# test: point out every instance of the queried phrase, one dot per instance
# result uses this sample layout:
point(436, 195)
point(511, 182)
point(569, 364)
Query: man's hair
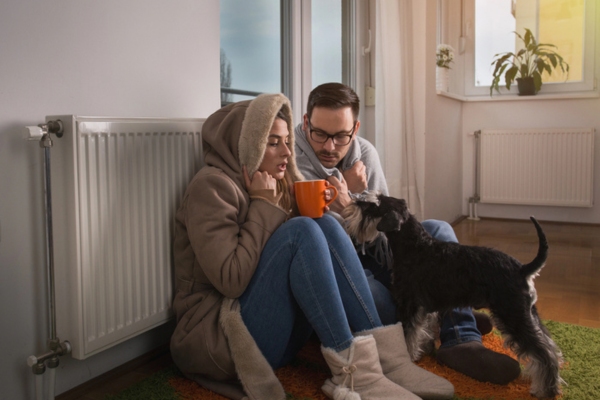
point(333, 96)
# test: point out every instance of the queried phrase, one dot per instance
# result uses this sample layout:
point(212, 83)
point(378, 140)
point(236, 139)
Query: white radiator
point(116, 184)
point(549, 167)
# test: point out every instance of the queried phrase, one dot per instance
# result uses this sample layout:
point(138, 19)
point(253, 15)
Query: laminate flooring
point(568, 287)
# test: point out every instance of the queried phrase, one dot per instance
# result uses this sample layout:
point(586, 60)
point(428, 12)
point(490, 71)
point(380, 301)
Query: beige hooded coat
point(220, 233)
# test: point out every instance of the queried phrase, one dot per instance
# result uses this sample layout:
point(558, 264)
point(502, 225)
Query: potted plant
point(443, 57)
point(527, 65)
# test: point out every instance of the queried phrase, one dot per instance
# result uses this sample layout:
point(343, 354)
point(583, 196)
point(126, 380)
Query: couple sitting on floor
point(254, 280)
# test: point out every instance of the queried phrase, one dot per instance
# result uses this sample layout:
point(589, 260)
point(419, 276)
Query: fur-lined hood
point(237, 135)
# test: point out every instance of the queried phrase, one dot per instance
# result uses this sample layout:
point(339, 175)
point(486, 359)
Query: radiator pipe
point(475, 199)
point(46, 144)
point(39, 387)
point(55, 346)
point(52, 365)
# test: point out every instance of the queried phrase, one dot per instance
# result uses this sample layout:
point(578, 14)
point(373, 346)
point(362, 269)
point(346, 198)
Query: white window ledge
point(514, 97)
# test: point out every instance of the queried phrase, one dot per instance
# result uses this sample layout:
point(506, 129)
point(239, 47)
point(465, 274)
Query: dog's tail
point(539, 260)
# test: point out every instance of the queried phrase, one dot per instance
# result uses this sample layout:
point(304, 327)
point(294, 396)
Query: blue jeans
point(308, 278)
point(457, 326)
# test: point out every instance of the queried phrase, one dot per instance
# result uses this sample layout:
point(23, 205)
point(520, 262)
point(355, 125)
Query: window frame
point(587, 84)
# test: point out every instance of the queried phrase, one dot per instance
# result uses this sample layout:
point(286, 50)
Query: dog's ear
point(391, 221)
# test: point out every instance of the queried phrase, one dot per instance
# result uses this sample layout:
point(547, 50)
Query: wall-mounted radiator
point(116, 184)
point(549, 167)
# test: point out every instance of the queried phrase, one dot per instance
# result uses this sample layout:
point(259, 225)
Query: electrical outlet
point(369, 96)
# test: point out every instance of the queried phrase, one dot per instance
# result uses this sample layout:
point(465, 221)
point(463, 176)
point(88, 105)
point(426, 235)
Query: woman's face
point(277, 152)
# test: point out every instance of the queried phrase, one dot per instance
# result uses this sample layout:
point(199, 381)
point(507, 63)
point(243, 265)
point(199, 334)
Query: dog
point(430, 276)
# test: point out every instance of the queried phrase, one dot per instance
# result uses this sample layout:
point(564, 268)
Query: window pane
point(250, 48)
point(494, 25)
point(561, 23)
point(326, 41)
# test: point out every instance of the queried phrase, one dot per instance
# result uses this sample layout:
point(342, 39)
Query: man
point(328, 147)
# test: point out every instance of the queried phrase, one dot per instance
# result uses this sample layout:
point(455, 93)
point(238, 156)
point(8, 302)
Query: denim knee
point(440, 230)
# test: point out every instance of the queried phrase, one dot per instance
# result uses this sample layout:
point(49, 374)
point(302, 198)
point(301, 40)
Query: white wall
point(109, 58)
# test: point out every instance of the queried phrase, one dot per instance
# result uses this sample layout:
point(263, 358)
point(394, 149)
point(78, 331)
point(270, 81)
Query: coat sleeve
point(227, 249)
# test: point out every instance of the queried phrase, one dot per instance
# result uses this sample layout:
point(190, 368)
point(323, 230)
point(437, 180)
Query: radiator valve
point(38, 132)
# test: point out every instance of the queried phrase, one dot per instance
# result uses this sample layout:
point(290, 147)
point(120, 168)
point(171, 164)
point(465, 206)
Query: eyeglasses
point(339, 139)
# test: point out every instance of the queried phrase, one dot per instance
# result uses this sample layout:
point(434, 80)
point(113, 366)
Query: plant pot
point(526, 86)
point(442, 83)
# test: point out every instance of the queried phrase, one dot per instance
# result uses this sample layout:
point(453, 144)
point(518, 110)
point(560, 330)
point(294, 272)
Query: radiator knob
point(32, 133)
point(32, 360)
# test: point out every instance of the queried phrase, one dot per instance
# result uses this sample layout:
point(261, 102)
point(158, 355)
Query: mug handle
point(334, 194)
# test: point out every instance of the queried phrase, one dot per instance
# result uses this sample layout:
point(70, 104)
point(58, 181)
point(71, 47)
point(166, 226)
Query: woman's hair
point(282, 184)
point(281, 114)
point(333, 96)
point(283, 187)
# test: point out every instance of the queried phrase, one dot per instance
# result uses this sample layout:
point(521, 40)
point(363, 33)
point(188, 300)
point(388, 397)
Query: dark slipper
point(480, 363)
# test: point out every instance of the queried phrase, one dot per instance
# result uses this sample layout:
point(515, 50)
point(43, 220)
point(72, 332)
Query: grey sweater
point(360, 149)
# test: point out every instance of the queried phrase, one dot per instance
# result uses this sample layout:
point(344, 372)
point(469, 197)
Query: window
point(257, 40)
point(332, 47)
point(251, 33)
point(494, 24)
point(568, 24)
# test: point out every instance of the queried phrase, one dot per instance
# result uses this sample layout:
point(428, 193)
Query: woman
point(252, 284)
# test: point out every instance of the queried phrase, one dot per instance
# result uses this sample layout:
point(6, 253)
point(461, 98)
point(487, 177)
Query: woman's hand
point(260, 181)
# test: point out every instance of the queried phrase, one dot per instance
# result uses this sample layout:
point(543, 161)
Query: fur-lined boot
point(398, 367)
point(357, 374)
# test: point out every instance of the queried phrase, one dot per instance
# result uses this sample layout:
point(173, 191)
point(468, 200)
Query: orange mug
point(310, 197)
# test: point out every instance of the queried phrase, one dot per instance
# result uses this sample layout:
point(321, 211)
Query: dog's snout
point(390, 222)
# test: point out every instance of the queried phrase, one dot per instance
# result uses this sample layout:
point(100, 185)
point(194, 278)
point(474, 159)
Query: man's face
point(325, 121)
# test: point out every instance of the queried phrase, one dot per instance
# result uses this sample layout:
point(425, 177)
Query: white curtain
point(395, 134)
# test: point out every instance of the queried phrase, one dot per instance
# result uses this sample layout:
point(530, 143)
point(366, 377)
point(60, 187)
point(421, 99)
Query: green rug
point(580, 347)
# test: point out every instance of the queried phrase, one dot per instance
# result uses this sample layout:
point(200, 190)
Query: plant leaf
point(537, 81)
point(524, 71)
point(504, 60)
point(509, 77)
point(540, 65)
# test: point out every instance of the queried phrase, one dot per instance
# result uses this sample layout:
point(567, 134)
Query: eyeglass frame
point(332, 137)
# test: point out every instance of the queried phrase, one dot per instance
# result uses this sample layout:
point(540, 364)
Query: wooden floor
point(568, 286)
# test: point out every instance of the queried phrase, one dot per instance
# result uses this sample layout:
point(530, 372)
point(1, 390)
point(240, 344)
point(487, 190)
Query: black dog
point(434, 276)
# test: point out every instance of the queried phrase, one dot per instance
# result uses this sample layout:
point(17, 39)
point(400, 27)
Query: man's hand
point(343, 199)
point(356, 177)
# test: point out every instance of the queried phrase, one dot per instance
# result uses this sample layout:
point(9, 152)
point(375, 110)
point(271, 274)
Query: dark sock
point(475, 360)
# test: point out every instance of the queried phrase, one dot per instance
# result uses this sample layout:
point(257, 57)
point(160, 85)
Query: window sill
point(514, 97)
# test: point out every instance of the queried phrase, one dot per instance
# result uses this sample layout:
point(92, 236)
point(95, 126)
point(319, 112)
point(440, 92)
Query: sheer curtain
point(395, 134)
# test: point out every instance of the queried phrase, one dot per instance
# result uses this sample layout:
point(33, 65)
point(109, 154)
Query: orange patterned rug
point(304, 378)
